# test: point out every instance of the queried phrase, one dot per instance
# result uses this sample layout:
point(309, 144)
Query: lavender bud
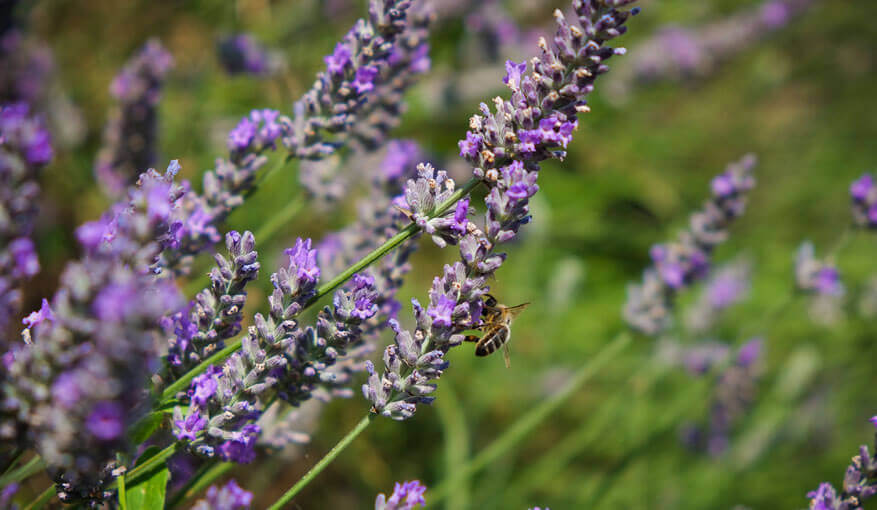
point(228, 497)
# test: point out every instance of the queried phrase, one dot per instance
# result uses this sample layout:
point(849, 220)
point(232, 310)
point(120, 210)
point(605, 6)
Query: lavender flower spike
point(73, 386)
point(863, 192)
point(25, 149)
point(243, 54)
point(814, 275)
point(859, 485)
point(278, 359)
point(216, 313)
point(505, 149)
point(130, 137)
point(321, 121)
point(228, 497)
point(679, 264)
point(406, 496)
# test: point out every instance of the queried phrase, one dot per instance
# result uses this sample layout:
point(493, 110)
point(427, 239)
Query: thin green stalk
point(14, 457)
point(325, 461)
point(200, 481)
point(42, 500)
point(32, 467)
point(151, 463)
point(456, 436)
point(403, 235)
point(123, 492)
point(530, 421)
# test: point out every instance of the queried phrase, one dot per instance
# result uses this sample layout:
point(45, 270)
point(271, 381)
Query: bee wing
point(515, 310)
point(507, 355)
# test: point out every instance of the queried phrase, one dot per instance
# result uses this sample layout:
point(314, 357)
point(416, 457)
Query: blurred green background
point(803, 99)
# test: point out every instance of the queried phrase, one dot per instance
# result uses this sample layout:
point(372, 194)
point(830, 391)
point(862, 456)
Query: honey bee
point(496, 321)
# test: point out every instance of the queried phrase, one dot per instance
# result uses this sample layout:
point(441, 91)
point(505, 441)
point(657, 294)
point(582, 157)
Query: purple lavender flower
point(814, 275)
point(217, 311)
point(733, 395)
point(29, 75)
point(679, 264)
point(415, 359)
point(406, 495)
point(228, 497)
point(24, 150)
point(130, 136)
point(864, 194)
point(331, 114)
point(243, 54)
point(873, 421)
point(859, 485)
point(278, 359)
point(727, 286)
point(95, 328)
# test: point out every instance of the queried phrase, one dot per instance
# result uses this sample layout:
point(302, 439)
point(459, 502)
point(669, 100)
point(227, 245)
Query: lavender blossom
point(228, 497)
point(25, 148)
point(278, 359)
point(322, 121)
point(727, 286)
point(816, 276)
point(859, 484)
point(130, 136)
point(71, 389)
point(28, 74)
point(544, 105)
point(733, 395)
point(863, 192)
point(406, 495)
point(243, 54)
point(679, 264)
point(216, 313)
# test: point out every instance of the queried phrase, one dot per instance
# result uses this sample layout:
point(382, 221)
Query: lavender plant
point(405, 496)
point(228, 497)
point(130, 136)
point(243, 54)
point(733, 394)
point(863, 192)
point(25, 148)
point(859, 485)
point(678, 264)
point(505, 149)
point(76, 381)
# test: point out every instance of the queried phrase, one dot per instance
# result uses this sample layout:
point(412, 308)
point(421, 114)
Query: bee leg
point(507, 356)
point(471, 338)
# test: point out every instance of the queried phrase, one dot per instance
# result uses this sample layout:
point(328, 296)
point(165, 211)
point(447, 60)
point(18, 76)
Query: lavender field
point(397, 254)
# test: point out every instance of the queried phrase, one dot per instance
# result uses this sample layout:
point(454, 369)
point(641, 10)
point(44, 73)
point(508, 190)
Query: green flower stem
point(325, 461)
point(32, 467)
point(151, 463)
point(403, 235)
point(530, 421)
point(42, 500)
point(201, 480)
point(123, 492)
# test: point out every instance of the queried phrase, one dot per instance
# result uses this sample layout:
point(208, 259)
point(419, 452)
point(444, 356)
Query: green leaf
point(150, 491)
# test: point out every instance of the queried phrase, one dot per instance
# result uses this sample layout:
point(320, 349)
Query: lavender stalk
point(131, 133)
